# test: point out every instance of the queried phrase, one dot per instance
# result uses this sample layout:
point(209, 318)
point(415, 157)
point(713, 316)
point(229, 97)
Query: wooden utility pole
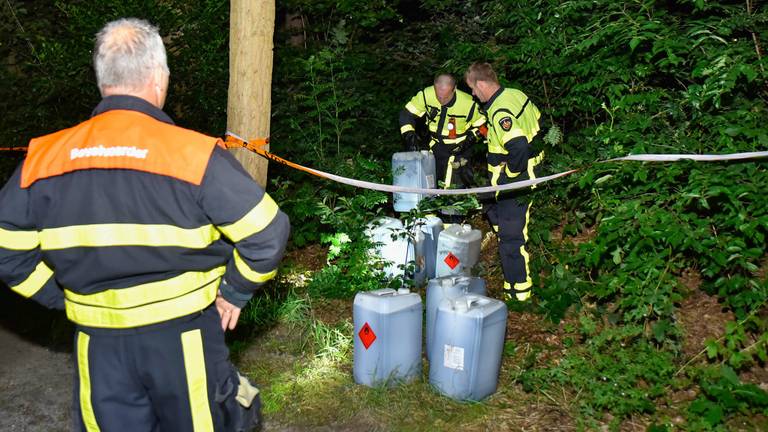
point(251, 28)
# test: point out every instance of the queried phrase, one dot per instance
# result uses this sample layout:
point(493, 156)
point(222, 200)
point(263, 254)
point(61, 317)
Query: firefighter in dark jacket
point(453, 120)
point(513, 122)
point(152, 238)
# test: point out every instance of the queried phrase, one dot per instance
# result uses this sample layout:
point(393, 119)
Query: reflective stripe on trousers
point(159, 377)
point(511, 214)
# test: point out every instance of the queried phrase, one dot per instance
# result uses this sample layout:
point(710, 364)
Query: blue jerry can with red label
point(448, 287)
point(387, 337)
point(465, 355)
point(458, 250)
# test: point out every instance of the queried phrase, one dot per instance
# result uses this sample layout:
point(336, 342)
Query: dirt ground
point(35, 368)
point(35, 386)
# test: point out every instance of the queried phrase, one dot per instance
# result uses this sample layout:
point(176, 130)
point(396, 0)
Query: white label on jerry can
point(453, 357)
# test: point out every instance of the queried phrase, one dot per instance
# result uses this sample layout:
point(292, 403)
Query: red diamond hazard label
point(367, 336)
point(451, 260)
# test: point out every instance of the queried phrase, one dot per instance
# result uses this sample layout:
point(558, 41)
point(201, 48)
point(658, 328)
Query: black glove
point(464, 146)
point(411, 141)
point(471, 140)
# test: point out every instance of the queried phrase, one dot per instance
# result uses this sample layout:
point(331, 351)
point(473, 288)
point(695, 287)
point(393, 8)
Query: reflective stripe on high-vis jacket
point(35, 281)
point(100, 235)
point(250, 274)
point(253, 222)
point(145, 304)
point(152, 292)
point(18, 240)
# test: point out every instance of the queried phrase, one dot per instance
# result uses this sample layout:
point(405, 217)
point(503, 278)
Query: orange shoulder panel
point(120, 139)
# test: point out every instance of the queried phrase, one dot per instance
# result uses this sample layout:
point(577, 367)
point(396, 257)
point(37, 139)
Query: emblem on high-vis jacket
point(506, 123)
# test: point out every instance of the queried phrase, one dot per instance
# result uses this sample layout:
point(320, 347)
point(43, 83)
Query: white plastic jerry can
point(458, 250)
point(468, 345)
point(391, 244)
point(387, 337)
point(412, 169)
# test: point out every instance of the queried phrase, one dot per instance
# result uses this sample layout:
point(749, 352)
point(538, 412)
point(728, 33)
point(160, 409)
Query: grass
point(301, 358)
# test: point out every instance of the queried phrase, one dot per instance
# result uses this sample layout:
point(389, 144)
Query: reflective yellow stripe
point(406, 128)
point(495, 171)
point(511, 134)
point(449, 172)
point(254, 221)
point(495, 174)
point(84, 375)
point(249, 274)
point(524, 253)
point(527, 218)
point(35, 281)
point(194, 365)
point(152, 292)
point(525, 286)
point(127, 235)
point(531, 175)
point(447, 140)
point(479, 122)
point(413, 109)
point(526, 258)
point(507, 292)
point(18, 240)
point(454, 140)
point(95, 316)
point(510, 174)
point(538, 159)
point(521, 290)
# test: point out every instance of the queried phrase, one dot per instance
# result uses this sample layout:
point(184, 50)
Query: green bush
point(615, 371)
point(723, 394)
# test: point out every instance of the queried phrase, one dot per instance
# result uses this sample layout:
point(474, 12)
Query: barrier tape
point(693, 157)
point(257, 146)
point(234, 141)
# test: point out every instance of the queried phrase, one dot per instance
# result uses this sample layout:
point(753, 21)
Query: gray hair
point(127, 52)
point(445, 80)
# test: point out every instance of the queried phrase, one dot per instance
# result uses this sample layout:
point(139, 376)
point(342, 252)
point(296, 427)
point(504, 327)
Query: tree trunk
point(251, 29)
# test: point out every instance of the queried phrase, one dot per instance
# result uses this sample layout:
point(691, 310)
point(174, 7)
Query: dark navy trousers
point(162, 377)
